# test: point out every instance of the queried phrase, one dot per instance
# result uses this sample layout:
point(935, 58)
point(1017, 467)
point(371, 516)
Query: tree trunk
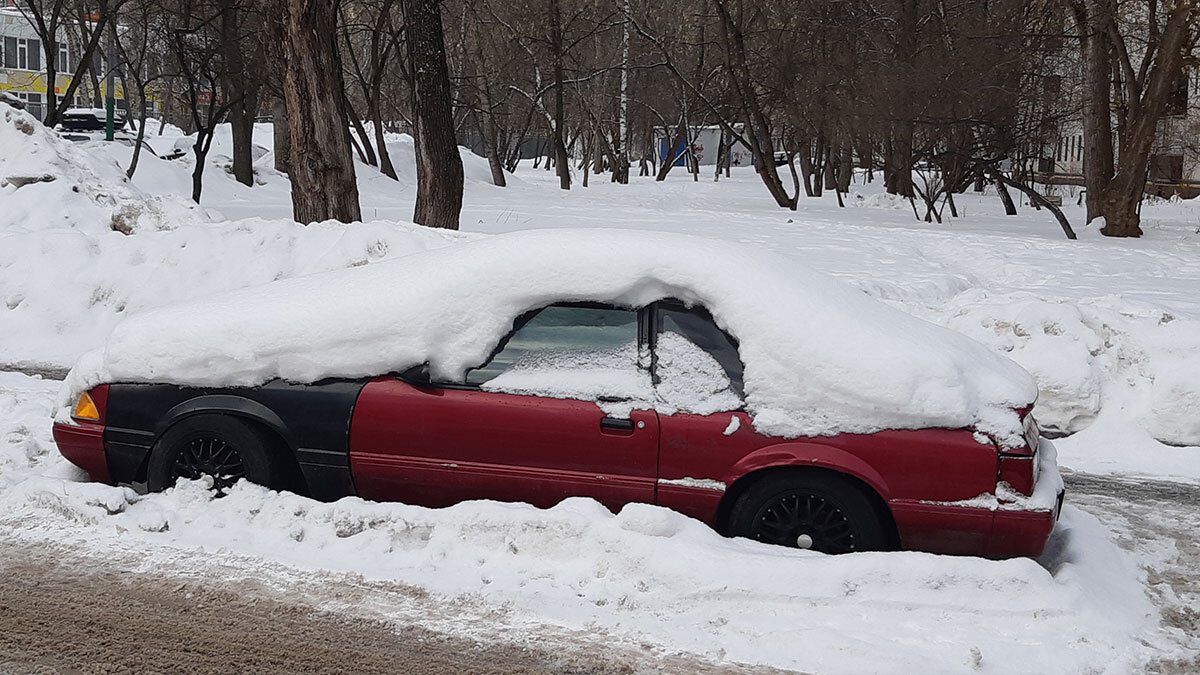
point(1010, 209)
point(240, 88)
point(897, 162)
point(621, 160)
point(560, 149)
point(367, 150)
point(283, 136)
point(669, 159)
point(845, 168)
point(168, 98)
point(241, 123)
point(806, 166)
point(830, 174)
point(487, 131)
point(439, 166)
point(201, 146)
point(323, 183)
point(1097, 96)
point(385, 158)
point(141, 134)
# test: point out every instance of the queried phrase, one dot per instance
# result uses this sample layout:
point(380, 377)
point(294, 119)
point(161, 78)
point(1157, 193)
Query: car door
point(697, 375)
point(561, 409)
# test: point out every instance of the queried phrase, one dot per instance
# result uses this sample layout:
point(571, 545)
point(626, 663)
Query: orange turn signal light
point(85, 409)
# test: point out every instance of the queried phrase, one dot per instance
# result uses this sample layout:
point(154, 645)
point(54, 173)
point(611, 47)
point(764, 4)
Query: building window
point(33, 102)
point(64, 60)
point(22, 53)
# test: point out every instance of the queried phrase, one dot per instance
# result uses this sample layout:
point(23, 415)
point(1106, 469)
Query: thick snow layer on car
point(820, 357)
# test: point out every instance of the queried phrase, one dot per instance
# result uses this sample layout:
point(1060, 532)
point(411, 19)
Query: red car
point(505, 434)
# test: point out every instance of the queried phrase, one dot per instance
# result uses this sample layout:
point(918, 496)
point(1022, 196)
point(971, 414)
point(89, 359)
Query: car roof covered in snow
point(820, 356)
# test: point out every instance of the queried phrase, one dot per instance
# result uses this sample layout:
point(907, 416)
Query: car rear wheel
point(220, 446)
point(819, 511)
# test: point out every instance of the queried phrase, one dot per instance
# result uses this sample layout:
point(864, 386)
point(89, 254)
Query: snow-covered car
point(730, 385)
point(89, 119)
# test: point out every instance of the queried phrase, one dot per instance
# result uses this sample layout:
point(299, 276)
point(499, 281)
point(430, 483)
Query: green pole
point(110, 98)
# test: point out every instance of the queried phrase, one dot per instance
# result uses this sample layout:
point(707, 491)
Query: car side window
point(696, 364)
point(568, 351)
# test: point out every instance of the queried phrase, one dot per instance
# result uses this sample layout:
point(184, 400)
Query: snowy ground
point(645, 579)
point(1110, 329)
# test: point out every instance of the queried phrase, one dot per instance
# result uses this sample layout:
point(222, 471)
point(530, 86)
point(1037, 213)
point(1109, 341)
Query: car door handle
point(616, 423)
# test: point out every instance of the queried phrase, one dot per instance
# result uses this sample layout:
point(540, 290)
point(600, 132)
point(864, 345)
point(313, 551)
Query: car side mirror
point(417, 375)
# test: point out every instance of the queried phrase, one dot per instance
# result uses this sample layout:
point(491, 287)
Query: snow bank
point(881, 200)
point(1131, 358)
point(48, 182)
point(820, 357)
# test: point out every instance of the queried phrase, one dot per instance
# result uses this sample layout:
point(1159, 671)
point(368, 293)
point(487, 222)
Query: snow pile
point(881, 200)
point(402, 151)
point(820, 357)
point(49, 182)
point(1090, 355)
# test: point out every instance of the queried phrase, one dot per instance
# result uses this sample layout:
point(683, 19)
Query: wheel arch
point(246, 410)
point(809, 458)
point(226, 404)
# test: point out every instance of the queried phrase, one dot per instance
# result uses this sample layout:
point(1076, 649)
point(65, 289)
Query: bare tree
point(1112, 36)
point(322, 168)
point(439, 166)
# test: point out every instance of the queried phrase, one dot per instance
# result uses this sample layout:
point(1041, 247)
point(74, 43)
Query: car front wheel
point(817, 511)
point(222, 447)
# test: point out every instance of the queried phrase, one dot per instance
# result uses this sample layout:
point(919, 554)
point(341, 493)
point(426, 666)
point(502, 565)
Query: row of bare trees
point(936, 96)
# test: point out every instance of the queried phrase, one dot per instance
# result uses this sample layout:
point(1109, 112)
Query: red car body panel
point(437, 446)
point(82, 443)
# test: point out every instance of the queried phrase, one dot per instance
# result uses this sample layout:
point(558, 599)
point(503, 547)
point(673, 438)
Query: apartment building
point(22, 65)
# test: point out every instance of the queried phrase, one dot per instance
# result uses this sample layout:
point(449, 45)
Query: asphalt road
point(63, 612)
point(1161, 520)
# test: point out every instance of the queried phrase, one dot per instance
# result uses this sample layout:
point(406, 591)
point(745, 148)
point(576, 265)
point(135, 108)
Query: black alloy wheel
point(803, 520)
point(225, 447)
point(209, 456)
point(818, 511)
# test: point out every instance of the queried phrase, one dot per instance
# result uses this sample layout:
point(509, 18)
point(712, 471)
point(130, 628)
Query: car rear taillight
point(1018, 466)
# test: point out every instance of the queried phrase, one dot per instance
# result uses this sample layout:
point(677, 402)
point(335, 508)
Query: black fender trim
point(226, 404)
point(128, 453)
point(327, 473)
point(312, 421)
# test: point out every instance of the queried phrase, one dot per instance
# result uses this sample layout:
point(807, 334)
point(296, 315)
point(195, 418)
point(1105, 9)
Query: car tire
point(221, 446)
point(808, 509)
